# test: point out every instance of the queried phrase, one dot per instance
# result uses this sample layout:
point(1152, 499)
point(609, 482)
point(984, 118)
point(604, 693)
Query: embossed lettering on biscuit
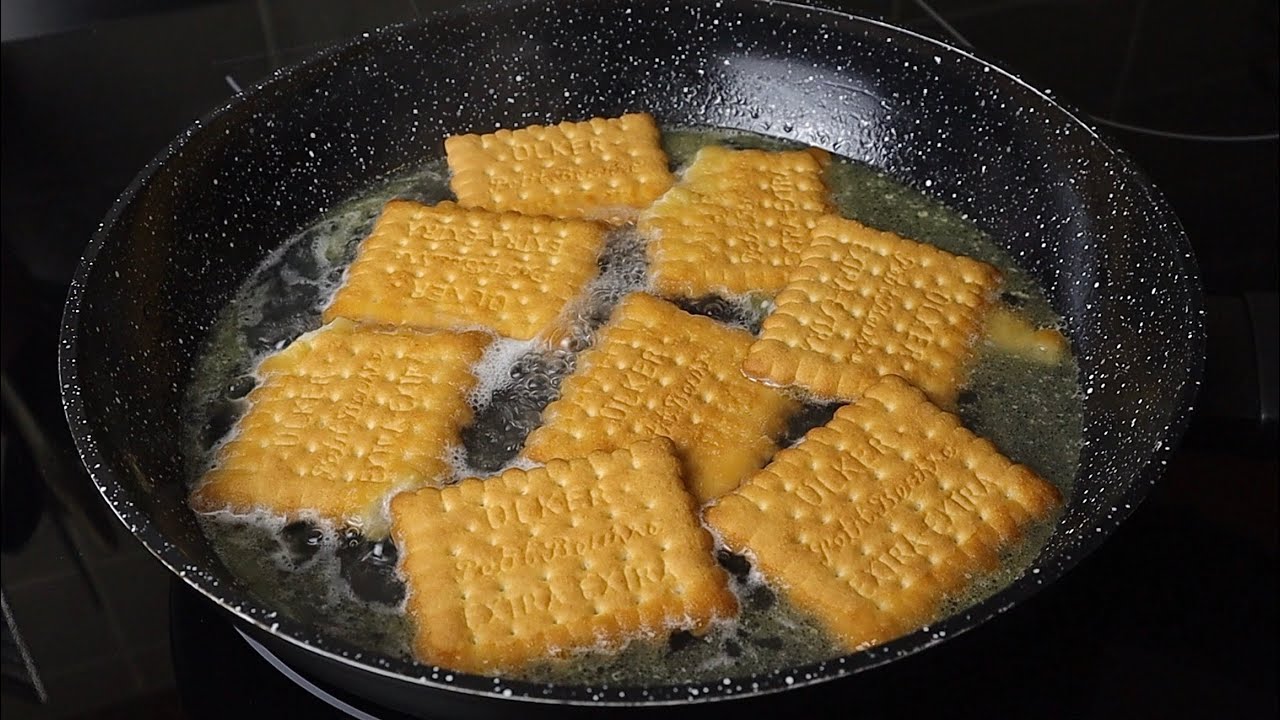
point(873, 520)
point(345, 416)
point(656, 370)
point(444, 267)
point(601, 169)
point(864, 304)
point(587, 552)
point(736, 222)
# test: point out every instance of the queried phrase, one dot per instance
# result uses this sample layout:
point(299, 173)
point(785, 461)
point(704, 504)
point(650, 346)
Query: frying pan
point(191, 227)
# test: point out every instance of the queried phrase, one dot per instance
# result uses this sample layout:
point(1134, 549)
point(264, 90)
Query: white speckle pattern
point(184, 235)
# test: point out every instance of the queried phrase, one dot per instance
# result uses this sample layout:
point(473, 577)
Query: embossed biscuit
point(864, 304)
point(736, 223)
point(601, 169)
point(656, 370)
point(535, 563)
point(873, 520)
point(769, 179)
point(444, 266)
point(345, 416)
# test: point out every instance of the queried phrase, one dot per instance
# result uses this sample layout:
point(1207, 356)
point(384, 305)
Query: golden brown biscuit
point(790, 180)
point(864, 304)
point(581, 553)
point(444, 267)
point(601, 169)
point(656, 370)
point(736, 223)
point(873, 520)
point(345, 416)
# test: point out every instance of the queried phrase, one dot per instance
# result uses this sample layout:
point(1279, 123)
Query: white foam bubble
point(493, 370)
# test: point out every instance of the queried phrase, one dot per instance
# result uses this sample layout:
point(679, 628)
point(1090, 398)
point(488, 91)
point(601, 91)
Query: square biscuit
point(872, 521)
point(443, 266)
point(657, 371)
point(537, 563)
point(785, 180)
point(864, 304)
point(600, 169)
point(345, 416)
point(736, 223)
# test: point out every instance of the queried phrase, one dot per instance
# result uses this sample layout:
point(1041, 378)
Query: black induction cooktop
point(1174, 617)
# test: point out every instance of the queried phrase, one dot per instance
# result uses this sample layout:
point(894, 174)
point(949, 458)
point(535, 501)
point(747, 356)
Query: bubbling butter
point(332, 578)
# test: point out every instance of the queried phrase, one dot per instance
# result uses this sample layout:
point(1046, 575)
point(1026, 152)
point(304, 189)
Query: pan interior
point(335, 579)
point(201, 218)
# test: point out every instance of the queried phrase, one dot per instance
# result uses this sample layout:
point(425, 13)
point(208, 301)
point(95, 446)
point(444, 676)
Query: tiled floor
point(97, 632)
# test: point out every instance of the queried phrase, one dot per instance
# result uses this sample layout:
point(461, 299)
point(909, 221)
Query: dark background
point(1174, 617)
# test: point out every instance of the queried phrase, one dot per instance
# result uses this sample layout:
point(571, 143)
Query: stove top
point(1175, 615)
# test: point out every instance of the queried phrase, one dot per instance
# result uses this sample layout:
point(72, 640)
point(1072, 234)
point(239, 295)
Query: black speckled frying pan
point(187, 232)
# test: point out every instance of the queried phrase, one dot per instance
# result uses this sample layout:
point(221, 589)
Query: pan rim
point(245, 609)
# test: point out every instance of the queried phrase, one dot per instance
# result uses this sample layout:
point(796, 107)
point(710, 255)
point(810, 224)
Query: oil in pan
point(335, 578)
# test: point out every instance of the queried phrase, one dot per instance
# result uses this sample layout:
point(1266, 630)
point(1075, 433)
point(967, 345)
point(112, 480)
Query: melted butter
point(334, 579)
